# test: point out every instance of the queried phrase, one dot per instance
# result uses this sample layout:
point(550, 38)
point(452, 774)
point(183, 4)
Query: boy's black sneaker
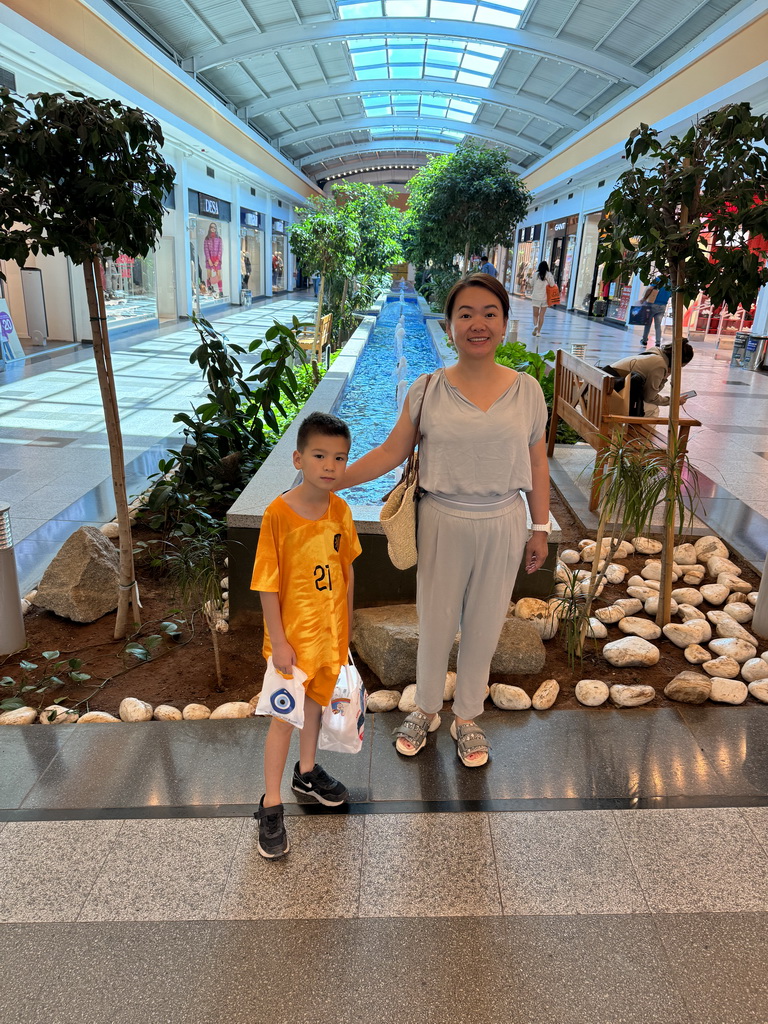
point(320, 785)
point(273, 839)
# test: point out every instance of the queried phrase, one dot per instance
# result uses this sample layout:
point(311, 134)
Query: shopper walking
point(541, 280)
point(482, 444)
point(656, 295)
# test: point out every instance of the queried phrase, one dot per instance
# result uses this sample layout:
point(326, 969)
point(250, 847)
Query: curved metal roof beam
point(395, 146)
point(414, 163)
point(428, 86)
point(252, 44)
point(480, 131)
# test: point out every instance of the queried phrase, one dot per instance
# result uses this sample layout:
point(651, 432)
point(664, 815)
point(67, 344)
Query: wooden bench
point(584, 397)
point(315, 345)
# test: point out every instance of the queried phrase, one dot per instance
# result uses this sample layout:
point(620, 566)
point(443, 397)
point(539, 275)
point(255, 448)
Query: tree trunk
point(677, 274)
point(319, 313)
point(466, 260)
point(343, 297)
point(128, 594)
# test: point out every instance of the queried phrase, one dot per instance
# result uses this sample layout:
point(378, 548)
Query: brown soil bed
point(183, 672)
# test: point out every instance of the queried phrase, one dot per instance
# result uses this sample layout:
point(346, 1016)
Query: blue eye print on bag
point(282, 702)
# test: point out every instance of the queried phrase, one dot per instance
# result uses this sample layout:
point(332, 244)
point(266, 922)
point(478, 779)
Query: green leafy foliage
point(463, 202)
point(34, 681)
point(540, 366)
point(80, 175)
point(712, 180)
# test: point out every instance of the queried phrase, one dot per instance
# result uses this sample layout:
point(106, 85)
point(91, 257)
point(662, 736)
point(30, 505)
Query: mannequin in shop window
point(277, 268)
point(212, 249)
point(245, 269)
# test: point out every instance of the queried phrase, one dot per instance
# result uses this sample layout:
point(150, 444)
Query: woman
point(212, 251)
point(482, 427)
point(654, 367)
point(656, 295)
point(542, 278)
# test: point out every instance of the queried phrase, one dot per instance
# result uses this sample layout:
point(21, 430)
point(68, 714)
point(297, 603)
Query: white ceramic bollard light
point(12, 635)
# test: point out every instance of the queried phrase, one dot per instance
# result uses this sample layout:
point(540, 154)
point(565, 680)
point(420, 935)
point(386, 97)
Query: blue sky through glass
point(505, 13)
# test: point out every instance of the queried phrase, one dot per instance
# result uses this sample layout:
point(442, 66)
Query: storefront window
point(560, 243)
point(528, 248)
point(129, 290)
point(251, 260)
point(278, 256)
point(585, 275)
point(209, 249)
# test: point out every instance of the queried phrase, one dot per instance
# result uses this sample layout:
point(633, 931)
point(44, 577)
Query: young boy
point(304, 576)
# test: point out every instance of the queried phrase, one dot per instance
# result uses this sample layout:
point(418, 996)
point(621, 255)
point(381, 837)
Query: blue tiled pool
point(369, 402)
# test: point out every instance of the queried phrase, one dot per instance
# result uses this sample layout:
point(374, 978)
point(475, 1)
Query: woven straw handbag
point(398, 515)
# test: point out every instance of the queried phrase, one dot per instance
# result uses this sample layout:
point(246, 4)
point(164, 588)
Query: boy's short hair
point(321, 423)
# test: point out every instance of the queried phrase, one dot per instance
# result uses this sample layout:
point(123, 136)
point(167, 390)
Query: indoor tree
point(324, 239)
point(85, 177)
point(691, 208)
point(463, 202)
point(378, 224)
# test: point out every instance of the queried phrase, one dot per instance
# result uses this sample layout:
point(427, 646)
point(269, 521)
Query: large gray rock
point(387, 639)
point(81, 582)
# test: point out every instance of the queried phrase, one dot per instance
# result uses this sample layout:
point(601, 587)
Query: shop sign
point(560, 226)
point(250, 219)
point(278, 226)
point(623, 309)
point(9, 339)
point(209, 206)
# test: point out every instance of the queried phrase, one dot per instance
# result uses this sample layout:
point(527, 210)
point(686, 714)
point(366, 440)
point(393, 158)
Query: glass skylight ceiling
point(471, 63)
point(388, 131)
point(415, 105)
point(505, 13)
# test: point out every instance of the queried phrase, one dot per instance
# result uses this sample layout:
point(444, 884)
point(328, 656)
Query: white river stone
point(739, 650)
point(734, 583)
point(546, 695)
point(714, 593)
point(727, 668)
point(631, 696)
point(716, 565)
point(652, 606)
point(56, 714)
point(754, 670)
point(694, 574)
point(596, 630)
point(685, 554)
point(539, 614)
point(383, 700)
point(636, 626)
point(689, 687)
point(167, 713)
point(615, 573)
point(694, 631)
point(696, 654)
point(647, 546)
point(739, 611)
point(570, 557)
point(407, 702)
point(629, 605)
point(688, 613)
point(233, 709)
point(631, 651)
point(729, 627)
point(752, 597)
point(728, 691)
point(642, 593)
point(96, 716)
point(449, 686)
point(759, 690)
point(591, 692)
point(19, 716)
point(195, 713)
point(709, 547)
point(134, 710)
point(611, 614)
point(510, 698)
point(687, 595)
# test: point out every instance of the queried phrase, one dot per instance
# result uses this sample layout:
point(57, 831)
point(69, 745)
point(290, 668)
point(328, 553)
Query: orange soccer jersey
point(306, 562)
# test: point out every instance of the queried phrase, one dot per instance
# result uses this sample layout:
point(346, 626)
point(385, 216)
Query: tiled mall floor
point(608, 866)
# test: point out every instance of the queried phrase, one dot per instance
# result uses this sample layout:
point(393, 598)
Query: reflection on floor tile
point(695, 861)
point(428, 865)
point(735, 742)
point(564, 863)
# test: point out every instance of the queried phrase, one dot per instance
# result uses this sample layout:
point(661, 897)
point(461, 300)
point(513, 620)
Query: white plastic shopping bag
point(343, 720)
point(283, 697)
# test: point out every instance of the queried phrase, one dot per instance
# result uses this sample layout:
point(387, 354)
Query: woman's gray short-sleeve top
point(465, 451)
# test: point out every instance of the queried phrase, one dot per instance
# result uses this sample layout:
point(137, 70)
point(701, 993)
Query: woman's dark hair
point(687, 354)
point(543, 269)
point(321, 423)
point(492, 284)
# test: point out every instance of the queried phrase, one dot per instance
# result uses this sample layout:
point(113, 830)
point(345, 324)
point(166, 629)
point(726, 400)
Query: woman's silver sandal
point(470, 739)
point(414, 729)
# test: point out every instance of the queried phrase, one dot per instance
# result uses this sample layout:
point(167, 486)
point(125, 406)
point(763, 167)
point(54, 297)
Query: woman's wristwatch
point(542, 527)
